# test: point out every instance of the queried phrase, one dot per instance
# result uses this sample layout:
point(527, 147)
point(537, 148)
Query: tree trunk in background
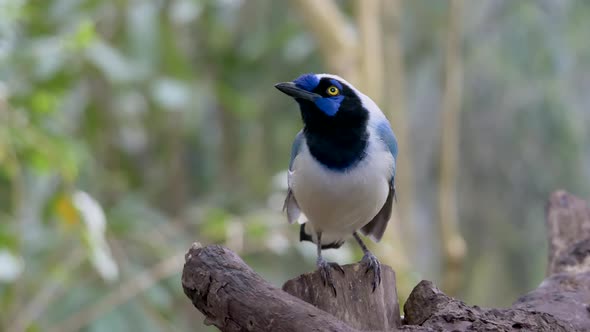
point(177, 190)
point(370, 49)
point(396, 112)
point(335, 41)
point(229, 148)
point(451, 240)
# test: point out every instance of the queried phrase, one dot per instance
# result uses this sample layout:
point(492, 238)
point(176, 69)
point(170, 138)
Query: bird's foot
point(373, 264)
point(325, 268)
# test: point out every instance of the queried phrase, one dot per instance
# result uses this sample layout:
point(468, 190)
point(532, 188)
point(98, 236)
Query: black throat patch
point(338, 141)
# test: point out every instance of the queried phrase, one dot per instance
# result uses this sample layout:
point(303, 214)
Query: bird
point(341, 177)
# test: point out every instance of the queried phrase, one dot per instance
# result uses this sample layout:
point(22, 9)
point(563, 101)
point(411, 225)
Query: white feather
point(338, 203)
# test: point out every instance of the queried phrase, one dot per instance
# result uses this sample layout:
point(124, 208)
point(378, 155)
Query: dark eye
point(332, 91)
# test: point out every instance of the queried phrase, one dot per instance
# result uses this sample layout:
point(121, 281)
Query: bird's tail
point(327, 243)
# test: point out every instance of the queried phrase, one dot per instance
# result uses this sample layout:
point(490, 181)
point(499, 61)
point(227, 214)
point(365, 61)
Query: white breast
point(337, 203)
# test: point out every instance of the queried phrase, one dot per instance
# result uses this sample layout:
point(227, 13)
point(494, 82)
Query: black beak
point(290, 89)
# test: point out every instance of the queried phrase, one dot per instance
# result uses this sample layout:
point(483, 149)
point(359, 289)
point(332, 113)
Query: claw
point(336, 266)
point(326, 272)
point(373, 264)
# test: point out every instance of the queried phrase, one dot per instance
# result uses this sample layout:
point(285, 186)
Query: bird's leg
point(371, 261)
point(325, 267)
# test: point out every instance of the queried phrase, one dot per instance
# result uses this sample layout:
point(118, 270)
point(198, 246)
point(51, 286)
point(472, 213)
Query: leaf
point(172, 94)
point(44, 102)
point(115, 66)
point(65, 209)
point(95, 220)
point(11, 266)
point(84, 35)
point(38, 160)
point(215, 225)
point(8, 238)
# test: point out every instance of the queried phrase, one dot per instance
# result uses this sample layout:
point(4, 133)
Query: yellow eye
point(333, 91)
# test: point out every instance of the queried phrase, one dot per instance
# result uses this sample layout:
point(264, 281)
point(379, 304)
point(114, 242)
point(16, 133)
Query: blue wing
point(291, 205)
point(376, 227)
point(386, 134)
point(295, 148)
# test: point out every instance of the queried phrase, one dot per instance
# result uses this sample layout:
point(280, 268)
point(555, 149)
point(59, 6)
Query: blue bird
point(342, 168)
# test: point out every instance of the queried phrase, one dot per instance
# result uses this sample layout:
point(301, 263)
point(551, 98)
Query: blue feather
point(307, 82)
point(329, 105)
point(295, 148)
point(386, 134)
point(336, 83)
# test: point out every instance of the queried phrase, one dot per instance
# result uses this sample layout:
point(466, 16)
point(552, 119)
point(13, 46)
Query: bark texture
point(568, 225)
point(355, 302)
point(235, 298)
point(560, 303)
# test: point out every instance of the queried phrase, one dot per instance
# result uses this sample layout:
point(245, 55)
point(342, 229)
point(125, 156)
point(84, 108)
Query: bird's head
point(322, 97)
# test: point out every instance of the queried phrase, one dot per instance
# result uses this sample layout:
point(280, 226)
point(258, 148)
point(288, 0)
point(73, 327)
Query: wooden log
point(560, 303)
point(564, 296)
point(235, 298)
point(427, 306)
point(355, 302)
point(568, 222)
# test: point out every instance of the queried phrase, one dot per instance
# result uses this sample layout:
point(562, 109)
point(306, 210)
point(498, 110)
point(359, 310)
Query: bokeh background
point(131, 128)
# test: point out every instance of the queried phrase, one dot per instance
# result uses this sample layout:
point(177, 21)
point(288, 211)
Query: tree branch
point(453, 244)
point(399, 233)
point(333, 33)
point(235, 298)
point(560, 303)
point(568, 223)
point(370, 49)
point(356, 303)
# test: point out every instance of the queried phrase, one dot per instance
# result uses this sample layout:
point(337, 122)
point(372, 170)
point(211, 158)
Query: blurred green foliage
point(164, 113)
